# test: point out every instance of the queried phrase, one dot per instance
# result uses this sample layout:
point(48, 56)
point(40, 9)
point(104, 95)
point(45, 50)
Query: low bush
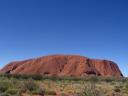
point(117, 90)
point(4, 85)
point(47, 92)
point(126, 85)
point(30, 85)
point(12, 91)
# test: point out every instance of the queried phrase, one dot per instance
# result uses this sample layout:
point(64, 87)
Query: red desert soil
point(63, 65)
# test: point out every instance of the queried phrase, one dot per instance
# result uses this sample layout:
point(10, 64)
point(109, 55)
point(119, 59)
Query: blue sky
point(92, 28)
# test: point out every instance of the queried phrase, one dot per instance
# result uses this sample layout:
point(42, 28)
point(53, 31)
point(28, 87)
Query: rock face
point(63, 65)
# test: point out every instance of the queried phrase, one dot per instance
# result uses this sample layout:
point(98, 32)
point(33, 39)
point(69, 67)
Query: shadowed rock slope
point(63, 65)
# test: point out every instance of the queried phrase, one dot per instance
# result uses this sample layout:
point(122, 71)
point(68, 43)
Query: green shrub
point(126, 85)
point(38, 91)
point(36, 77)
point(50, 92)
point(117, 90)
point(12, 91)
point(94, 79)
point(30, 85)
point(88, 93)
point(109, 79)
point(3, 88)
point(4, 94)
point(4, 85)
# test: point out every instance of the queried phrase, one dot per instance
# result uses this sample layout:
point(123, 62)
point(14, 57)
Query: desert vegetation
point(36, 85)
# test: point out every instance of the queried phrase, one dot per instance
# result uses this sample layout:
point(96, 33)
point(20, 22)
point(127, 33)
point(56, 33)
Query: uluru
point(63, 65)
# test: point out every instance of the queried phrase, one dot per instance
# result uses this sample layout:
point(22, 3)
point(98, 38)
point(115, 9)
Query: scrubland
point(35, 85)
